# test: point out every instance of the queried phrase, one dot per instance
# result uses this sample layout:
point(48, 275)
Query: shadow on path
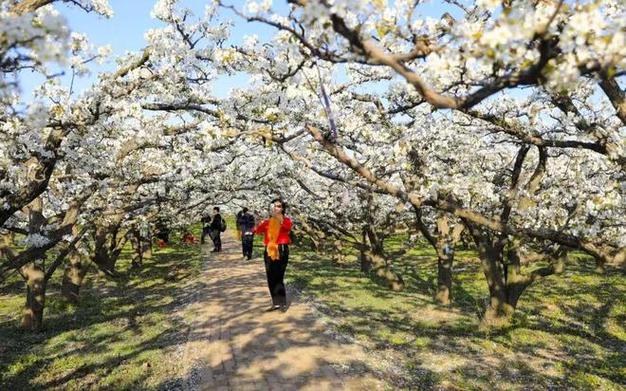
point(235, 344)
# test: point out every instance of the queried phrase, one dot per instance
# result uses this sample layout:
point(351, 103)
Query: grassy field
point(568, 333)
point(119, 337)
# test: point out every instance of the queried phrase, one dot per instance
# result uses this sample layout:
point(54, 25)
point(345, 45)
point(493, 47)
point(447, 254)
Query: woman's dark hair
point(244, 210)
point(217, 209)
point(283, 203)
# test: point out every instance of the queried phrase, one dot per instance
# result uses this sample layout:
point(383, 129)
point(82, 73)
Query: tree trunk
point(104, 262)
point(73, 278)
point(138, 248)
point(315, 243)
point(445, 260)
point(146, 241)
point(499, 311)
point(365, 261)
point(506, 291)
point(146, 247)
point(338, 252)
point(600, 266)
point(444, 244)
point(32, 315)
point(382, 269)
point(379, 264)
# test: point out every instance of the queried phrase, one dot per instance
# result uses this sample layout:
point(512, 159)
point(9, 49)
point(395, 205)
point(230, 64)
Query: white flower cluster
point(35, 240)
point(256, 7)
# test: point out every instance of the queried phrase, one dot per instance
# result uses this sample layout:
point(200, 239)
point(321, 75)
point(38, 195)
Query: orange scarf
point(272, 238)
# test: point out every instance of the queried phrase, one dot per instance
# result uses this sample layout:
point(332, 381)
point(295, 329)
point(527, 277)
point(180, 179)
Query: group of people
point(276, 239)
point(213, 226)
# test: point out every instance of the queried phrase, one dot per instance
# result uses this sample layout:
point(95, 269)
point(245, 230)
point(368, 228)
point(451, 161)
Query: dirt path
point(234, 344)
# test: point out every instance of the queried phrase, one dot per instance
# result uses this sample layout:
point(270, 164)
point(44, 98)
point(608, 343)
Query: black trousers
point(246, 245)
point(217, 240)
point(275, 271)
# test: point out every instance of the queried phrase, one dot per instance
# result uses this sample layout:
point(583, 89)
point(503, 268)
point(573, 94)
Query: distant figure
point(218, 225)
point(276, 256)
point(206, 227)
point(239, 214)
point(245, 222)
point(162, 234)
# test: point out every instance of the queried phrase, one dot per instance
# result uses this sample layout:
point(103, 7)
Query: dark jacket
point(238, 219)
point(216, 223)
point(246, 222)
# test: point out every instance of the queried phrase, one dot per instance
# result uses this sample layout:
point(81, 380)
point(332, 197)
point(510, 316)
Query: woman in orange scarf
point(276, 240)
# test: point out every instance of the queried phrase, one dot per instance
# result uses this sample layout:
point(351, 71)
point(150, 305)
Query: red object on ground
point(189, 239)
point(161, 243)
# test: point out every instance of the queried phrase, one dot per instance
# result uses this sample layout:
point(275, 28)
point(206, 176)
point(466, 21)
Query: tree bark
point(373, 257)
point(27, 6)
point(499, 311)
point(365, 261)
point(138, 248)
point(444, 276)
point(73, 277)
point(443, 243)
point(617, 97)
point(444, 246)
point(32, 315)
point(600, 266)
point(146, 247)
point(505, 279)
point(338, 256)
point(381, 268)
point(378, 262)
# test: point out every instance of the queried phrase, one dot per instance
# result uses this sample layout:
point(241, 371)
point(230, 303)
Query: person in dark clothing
point(245, 222)
point(276, 256)
point(239, 214)
point(216, 229)
point(206, 227)
point(163, 232)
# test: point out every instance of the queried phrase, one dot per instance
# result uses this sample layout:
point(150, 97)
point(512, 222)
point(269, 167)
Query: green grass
point(568, 332)
point(117, 336)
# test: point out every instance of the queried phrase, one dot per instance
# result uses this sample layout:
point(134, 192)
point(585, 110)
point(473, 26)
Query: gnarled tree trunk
point(445, 259)
point(375, 258)
point(32, 315)
point(73, 277)
point(443, 242)
point(364, 260)
point(444, 246)
point(504, 277)
point(138, 248)
point(338, 255)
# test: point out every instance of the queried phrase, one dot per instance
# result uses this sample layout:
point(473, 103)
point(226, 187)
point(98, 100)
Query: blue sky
point(125, 32)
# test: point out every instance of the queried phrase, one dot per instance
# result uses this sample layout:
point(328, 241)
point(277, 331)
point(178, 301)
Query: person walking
point(245, 222)
point(206, 227)
point(276, 255)
point(217, 226)
point(237, 219)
